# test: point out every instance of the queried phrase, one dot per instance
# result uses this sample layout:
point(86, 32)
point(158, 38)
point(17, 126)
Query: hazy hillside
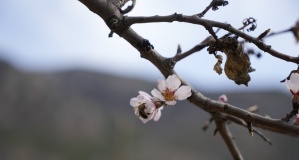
point(80, 115)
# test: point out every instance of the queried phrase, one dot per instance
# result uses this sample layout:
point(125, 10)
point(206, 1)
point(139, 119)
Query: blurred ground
point(76, 115)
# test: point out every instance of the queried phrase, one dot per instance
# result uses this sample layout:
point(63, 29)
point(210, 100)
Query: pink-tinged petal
point(157, 115)
point(289, 85)
point(150, 117)
point(150, 107)
point(222, 98)
point(145, 94)
point(183, 92)
point(136, 111)
point(170, 102)
point(157, 94)
point(294, 81)
point(142, 99)
point(144, 120)
point(161, 85)
point(173, 82)
point(133, 102)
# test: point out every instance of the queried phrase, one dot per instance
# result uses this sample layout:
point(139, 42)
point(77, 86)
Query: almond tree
point(237, 68)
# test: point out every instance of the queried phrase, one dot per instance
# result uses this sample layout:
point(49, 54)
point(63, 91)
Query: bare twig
point(242, 123)
point(290, 115)
point(227, 136)
point(279, 32)
point(208, 24)
point(207, 9)
point(196, 48)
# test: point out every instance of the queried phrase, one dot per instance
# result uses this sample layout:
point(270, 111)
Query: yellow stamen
point(168, 95)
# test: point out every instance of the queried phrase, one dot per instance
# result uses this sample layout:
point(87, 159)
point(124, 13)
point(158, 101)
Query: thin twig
point(200, 15)
point(227, 136)
point(279, 32)
point(242, 123)
point(208, 24)
point(290, 115)
point(196, 48)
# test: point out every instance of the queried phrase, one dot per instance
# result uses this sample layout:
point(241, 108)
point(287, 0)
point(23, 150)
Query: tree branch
point(208, 24)
point(112, 16)
point(227, 135)
point(106, 10)
point(196, 48)
point(242, 123)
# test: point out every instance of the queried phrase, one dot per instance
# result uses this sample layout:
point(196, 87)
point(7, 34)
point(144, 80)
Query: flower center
point(168, 95)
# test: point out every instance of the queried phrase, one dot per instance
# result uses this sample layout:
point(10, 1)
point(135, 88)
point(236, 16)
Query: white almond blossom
point(293, 83)
point(146, 107)
point(170, 90)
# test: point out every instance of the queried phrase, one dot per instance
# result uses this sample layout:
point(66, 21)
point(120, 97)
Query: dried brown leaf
point(237, 65)
point(217, 66)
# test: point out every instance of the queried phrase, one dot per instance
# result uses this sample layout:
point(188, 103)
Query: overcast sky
point(51, 35)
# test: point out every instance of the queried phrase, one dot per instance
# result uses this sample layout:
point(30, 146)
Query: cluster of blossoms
point(149, 107)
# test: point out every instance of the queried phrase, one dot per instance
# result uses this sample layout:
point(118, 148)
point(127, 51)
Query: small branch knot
point(114, 22)
point(146, 45)
point(117, 25)
point(178, 17)
point(170, 62)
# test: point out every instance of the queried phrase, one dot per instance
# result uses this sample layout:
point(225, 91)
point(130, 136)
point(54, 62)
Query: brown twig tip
point(215, 131)
point(264, 34)
point(295, 31)
point(218, 3)
point(110, 34)
point(214, 5)
point(179, 50)
point(207, 124)
point(249, 126)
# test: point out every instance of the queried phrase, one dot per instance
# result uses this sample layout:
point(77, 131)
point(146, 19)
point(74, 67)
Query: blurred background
point(65, 86)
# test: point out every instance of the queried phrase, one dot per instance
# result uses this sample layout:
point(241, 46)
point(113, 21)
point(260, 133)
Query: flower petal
point(222, 98)
point(133, 102)
point(145, 94)
point(142, 98)
point(183, 92)
point(161, 85)
point(144, 120)
point(170, 102)
point(288, 85)
point(157, 94)
point(294, 82)
point(173, 82)
point(157, 115)
point(150, 107)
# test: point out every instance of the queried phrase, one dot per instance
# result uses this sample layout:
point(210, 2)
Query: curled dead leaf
point(217, 66)
point(237, 65)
